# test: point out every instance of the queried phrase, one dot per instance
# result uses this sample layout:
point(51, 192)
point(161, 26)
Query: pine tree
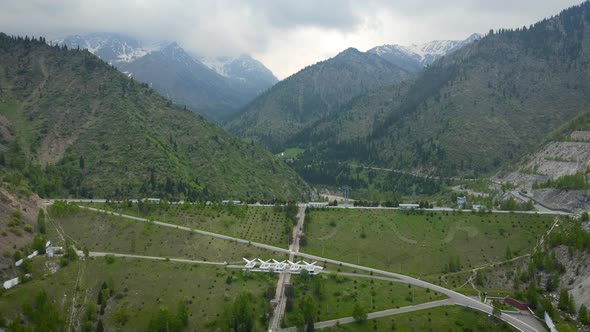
point(583, 315)
point(563, 303)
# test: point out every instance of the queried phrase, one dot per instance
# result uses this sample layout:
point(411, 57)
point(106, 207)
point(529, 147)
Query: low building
point(461, 202)
point(226, 202)
point(479, 208)
point(317, 204)
point(409, 206)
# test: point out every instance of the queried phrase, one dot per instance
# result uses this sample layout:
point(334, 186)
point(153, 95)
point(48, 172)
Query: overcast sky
point(286, 35)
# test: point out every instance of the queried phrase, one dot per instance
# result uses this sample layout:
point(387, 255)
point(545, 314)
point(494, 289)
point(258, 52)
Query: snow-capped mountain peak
point(113, 48)
point(415, 56)
point(214, 86)
point(242, 67)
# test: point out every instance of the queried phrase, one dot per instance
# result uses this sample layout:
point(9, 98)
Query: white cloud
point(285, 35)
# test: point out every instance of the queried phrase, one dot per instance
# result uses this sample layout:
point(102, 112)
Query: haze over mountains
point(215, 87)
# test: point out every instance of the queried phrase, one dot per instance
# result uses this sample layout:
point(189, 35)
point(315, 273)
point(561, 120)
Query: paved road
point(410, 173)
point(446, 209)
point(543, 210)
point(538, 205)
point(179, 260)
point(460, 298)
point(385, 313)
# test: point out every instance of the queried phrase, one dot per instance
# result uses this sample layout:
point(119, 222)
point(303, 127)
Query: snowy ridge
point(234, 67)
point(218, 64)
point(112, 48)
point(425, 53)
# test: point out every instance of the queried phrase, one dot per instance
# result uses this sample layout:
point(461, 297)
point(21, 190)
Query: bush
point(359, 313)
point(120, 317)
point(41, 222)
point(109, 259)
point(28, 228)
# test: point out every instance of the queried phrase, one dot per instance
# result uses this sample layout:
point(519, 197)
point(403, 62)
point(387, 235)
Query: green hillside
point(298, 101)
point(71, 125)
point(485, 106)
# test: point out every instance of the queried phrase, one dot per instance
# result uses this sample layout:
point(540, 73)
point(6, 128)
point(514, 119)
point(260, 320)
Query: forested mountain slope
point(484, 106)
point(71, 125)
point(296, 102)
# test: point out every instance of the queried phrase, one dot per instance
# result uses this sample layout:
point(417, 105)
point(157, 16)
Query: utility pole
point(346, 190)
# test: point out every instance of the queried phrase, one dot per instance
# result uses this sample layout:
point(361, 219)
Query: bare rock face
point(573, 200)
point(562, 158)
point(577, 275)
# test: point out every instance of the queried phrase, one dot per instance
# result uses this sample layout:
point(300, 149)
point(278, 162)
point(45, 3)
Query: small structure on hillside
point(52, 251)
point(317, 204)
point(226, 202)
point(517, 304)
point(409, 206)
point(461, 202)
point(479, 208)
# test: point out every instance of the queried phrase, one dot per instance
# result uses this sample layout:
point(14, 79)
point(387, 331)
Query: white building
point(317, 204)
point(409, 206)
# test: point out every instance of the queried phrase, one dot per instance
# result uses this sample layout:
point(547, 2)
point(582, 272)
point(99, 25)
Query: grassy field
point(420, 243)
point(107, 233)
point(436, 319)
point(336, 296)
point(140, 287)
point(259, 224)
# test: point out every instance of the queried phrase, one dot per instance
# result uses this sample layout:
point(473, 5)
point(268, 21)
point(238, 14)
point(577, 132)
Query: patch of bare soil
point(6, 133)
point(561, 158)
point(522, 180)
point(29, 207)
point(573, 200)
point(53, 147)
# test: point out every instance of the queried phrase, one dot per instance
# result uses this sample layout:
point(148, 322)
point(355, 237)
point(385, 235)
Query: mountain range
point(471, 112)
point(72, 125)
point(480, 108)
point(215, 87)
point(291, 106)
